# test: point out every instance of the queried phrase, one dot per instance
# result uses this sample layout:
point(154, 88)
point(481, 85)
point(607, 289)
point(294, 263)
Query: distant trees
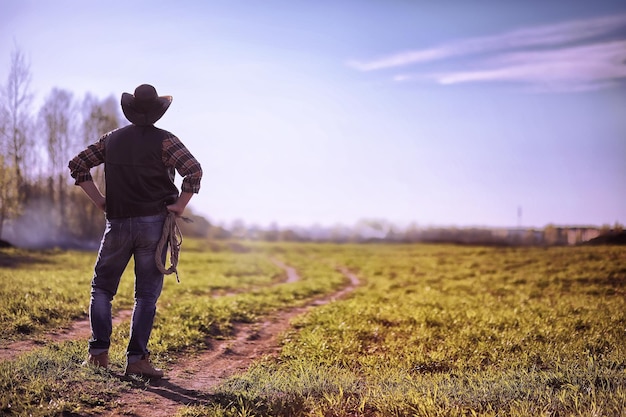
point(8, 192)
point(374, 231)
point(38, 202)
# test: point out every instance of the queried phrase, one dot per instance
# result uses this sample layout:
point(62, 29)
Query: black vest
point(137, 181)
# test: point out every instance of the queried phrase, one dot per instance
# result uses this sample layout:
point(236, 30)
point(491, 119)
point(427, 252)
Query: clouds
point(570, 56)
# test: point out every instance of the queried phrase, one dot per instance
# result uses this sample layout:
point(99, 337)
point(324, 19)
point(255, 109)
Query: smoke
point(42, 226)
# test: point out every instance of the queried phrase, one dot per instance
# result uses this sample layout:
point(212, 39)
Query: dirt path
point(79, 329)
point(292, 274)
point(191, 380)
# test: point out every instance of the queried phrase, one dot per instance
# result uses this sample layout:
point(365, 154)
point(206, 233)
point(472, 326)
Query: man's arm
point(176, 155)
point(81, 164)
point(179, 206)
point(94, 194)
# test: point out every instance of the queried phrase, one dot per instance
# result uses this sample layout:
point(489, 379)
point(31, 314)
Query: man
point(139, 164)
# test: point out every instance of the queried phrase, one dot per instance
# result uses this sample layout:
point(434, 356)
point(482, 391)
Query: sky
point(439, 113)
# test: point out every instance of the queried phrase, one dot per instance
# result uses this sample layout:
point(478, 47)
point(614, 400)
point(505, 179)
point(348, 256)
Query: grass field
point(433, 330)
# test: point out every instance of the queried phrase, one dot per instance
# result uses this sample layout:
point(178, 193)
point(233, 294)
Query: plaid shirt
point(174, 154)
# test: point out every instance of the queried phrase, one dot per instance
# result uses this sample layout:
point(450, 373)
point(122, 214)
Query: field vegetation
point(433, 330)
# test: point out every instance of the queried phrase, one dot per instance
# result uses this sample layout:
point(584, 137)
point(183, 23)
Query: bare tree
point(18, 99)
point(15, 126)
point(56, 117)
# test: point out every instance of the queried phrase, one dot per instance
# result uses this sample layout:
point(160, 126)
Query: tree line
point(382, 231)
point(39, 206)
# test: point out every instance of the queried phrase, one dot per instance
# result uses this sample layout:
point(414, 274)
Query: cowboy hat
point(145, 107)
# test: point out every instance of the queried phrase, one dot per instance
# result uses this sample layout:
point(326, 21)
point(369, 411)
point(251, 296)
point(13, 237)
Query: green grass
point(50, 381)
point(434, 330)
point(44, 290)
point(185, 319)
point(443, 330)
point(40, 290)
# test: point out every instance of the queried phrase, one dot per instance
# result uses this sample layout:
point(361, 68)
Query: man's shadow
point(168, 390)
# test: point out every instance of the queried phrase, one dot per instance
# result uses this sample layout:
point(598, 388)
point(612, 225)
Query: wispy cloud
point(578, 68)
point(565, 56)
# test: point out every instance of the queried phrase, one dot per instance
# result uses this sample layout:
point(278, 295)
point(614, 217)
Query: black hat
point(145, 107)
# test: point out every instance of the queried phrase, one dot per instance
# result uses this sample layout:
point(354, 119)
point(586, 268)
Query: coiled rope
point(173, 237)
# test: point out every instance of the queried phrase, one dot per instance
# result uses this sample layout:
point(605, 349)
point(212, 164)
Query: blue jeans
point(123, 238)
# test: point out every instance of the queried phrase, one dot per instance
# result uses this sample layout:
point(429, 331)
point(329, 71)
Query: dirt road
point(193, 376)
point(191, 379)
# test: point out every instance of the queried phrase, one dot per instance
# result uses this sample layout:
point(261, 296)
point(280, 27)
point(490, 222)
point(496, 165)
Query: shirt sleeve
point(82, 163)
point(176, 155)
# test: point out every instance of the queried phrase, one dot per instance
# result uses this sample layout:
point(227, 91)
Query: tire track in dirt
point(191, 380)
point(81, 328)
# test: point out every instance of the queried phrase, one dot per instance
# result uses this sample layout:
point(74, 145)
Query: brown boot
point(100, 360)
point(143, 367)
